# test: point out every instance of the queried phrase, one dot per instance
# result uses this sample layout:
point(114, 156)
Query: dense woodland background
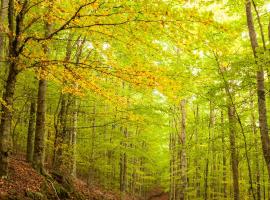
point(139, 95)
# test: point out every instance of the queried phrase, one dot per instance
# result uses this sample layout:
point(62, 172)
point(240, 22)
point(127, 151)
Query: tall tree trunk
point(39, 148)
point(61, 163)
point(197, 165)
point(260, 90)
point(75, 113)
point(171, 167)
point(224, 160)
point(7, 97)
point(5, 126)
point(210, 127)
point(237, 117)
point(234, 157)
point(93, 143)
point(31, 131)
point(3, 34)
point(123, 167)
point(183, 161)
point(172, 164)
point(61, 136)
point(257, 162)
point(74, 136)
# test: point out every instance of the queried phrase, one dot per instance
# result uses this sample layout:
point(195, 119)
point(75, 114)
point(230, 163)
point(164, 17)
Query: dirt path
point(157, 194)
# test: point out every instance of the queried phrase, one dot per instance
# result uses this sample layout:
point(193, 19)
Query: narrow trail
point(157, 194)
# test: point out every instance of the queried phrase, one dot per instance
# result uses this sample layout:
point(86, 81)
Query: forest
point(134, 99)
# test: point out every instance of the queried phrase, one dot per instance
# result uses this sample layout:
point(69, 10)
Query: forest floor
point(25, 183)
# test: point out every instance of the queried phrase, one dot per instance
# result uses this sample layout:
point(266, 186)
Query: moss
point(78, 196)
point(61, 191)
point(35, 195)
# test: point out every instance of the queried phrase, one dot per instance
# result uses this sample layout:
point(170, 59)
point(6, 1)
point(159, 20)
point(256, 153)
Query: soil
point(24, 183)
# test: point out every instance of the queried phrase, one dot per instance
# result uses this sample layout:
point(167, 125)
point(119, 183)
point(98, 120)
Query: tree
point(31, 131)
point(260, 88)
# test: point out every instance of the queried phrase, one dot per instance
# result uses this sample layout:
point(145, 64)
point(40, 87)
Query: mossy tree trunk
point(31, 131)
point(15, 30)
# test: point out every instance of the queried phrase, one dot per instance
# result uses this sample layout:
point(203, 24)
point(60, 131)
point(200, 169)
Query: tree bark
point(210, 127)
point(172, 163)
point(39, 148)
point(224, 160)
point(74, 137)
point(93, 143)
point(61, 136)
point(38, 155)
point(123, 167)
point(234, 157)
point(260, 90)
point(5, 126)
point(257, 162)
point(197, 165)
point(7, 97)
point(3, 36)
point(31, 131)
point(183, 156)
point(75, 111)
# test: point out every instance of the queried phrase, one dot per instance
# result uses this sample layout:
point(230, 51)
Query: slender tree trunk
point(263, 119)
point(234, 157)
point(206, 179)
point(123, 168)
point(224, 160)
point(183, 156)
point(31, 131)
point(213, 182)
point(3, 35)
point(210, 126)
point(74, 136)
point(233, 118)
point(75, 111)
point(260, 90)
point(197, 165)
point(111, 155)
point(124, 183)
point(232, 104)
point(172, 166)
point(93, 143)
point(254, 130)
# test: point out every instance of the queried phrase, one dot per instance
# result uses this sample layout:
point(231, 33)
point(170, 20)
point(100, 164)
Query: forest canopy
point(138, 96)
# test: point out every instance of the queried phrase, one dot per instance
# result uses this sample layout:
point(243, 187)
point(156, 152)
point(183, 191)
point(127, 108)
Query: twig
point(54, 189)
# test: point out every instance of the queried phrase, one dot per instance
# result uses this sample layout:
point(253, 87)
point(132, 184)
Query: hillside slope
point(25, 183)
